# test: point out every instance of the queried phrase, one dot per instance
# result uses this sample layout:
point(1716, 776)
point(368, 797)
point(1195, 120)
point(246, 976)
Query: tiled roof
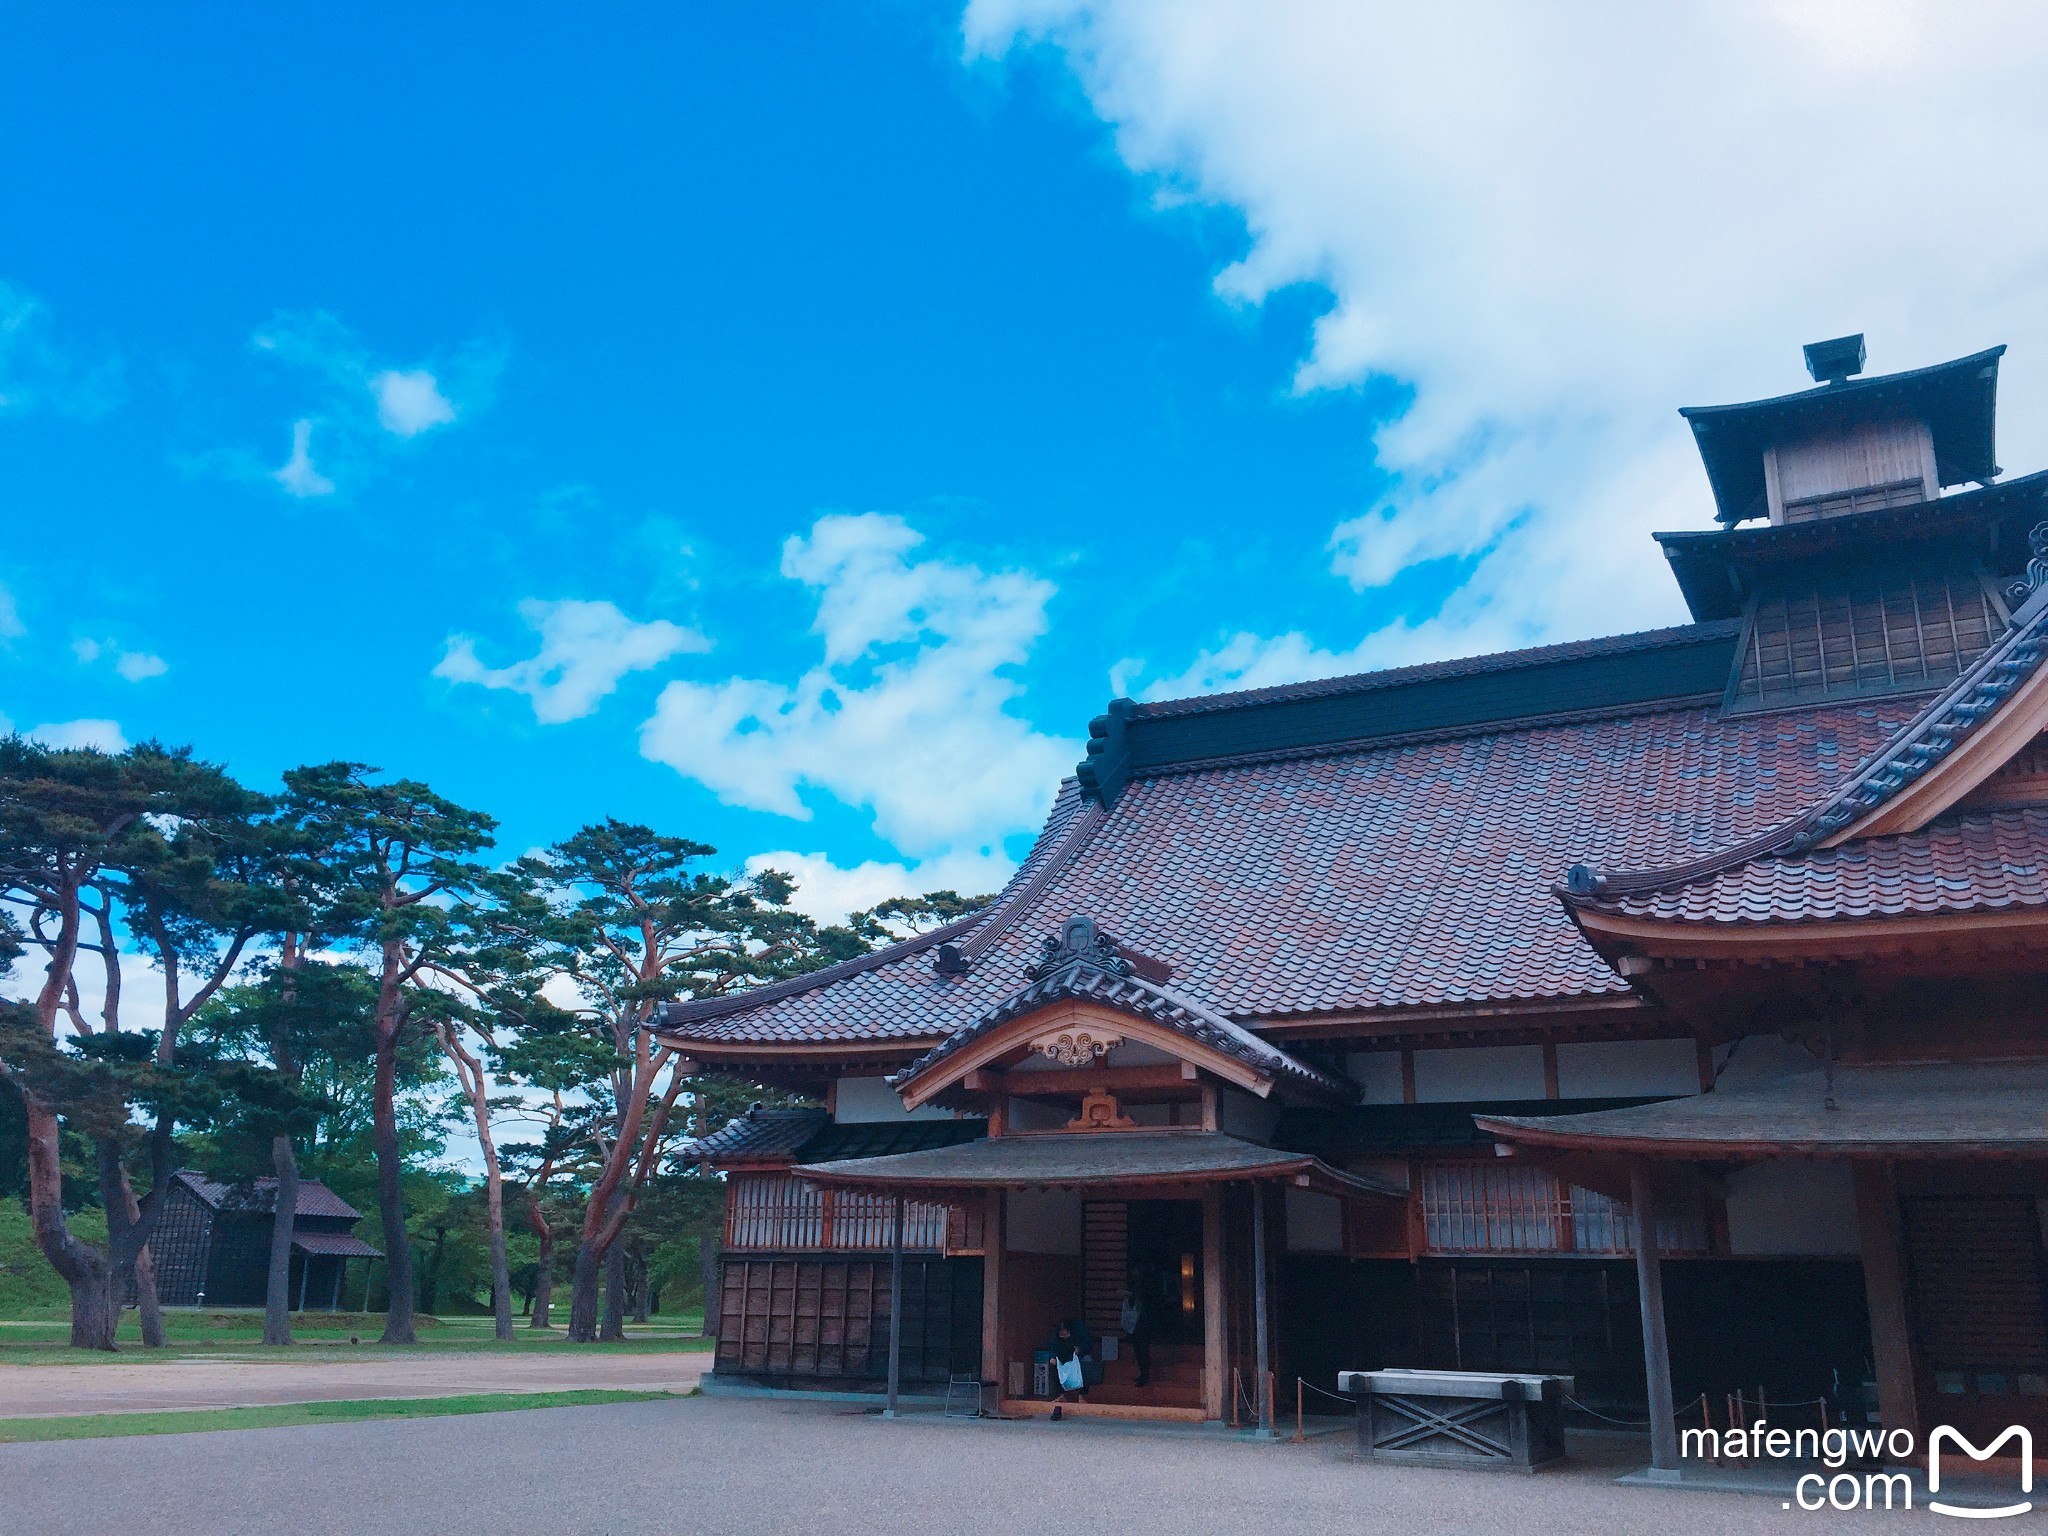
point(260, 1195)
point(1085, 979)
point(1916, 747)
point(1985, 862)
point(1095, 1157)
point(757, 1133)
point(1401, 876)
point(1992, 1107)
point(810, 1135)
point(341, 1245)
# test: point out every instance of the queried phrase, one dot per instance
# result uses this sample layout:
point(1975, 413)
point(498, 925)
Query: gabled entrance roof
point(1085, 966)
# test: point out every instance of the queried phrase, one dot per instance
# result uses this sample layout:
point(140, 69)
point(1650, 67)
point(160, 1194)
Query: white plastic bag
point(1070, 1374)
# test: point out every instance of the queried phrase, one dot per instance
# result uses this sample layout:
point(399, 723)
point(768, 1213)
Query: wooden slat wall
point(825, 1318)
point(1885, 630)
point(1105, 1249)
point(1975, 1269)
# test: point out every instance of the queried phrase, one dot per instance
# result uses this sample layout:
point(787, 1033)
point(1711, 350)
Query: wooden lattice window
point(776, 1212)
point(1506, 1207)
point(1877, 632)
point(1870, 498)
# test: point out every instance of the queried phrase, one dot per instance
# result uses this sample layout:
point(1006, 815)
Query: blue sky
point(787, 424)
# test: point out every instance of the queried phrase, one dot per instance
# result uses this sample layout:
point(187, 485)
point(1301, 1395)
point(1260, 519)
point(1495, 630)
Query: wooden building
point(212, 1244)
point(1376, 1021)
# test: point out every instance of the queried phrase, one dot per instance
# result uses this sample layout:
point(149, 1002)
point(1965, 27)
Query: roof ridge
point(1431, 671)
point(1946, 719)
point(1059, 820)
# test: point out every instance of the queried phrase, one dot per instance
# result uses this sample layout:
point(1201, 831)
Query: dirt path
point(38, 1390)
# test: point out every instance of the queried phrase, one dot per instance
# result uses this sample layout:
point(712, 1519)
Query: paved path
point(738, 1467)
point(188, 1382)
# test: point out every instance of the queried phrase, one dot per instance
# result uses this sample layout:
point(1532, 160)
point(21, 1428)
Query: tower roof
point(1957, 400)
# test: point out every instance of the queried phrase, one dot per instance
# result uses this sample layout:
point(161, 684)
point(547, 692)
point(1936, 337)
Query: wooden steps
point(1041, 1408)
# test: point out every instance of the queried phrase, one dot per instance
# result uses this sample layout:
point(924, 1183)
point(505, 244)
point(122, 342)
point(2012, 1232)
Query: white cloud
point(1557, 224)
point(409, 401)
point(359, 402)
point(11, 627)
point(86, 649)
point(829, 891)
point(585, 648)
point(137, 665)
point(297, 474)
point(36, 373)
point(907, 714)
point(74, 735)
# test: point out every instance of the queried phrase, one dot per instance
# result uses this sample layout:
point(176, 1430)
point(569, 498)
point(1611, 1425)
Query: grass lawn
point(192, 1421)
point(36, 1335)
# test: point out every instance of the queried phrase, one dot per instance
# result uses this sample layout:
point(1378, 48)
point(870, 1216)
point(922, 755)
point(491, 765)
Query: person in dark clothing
point(1136, 1320)
point(1072, 1341)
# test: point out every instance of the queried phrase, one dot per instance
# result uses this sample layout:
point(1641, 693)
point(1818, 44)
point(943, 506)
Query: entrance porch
point(1186, 1223)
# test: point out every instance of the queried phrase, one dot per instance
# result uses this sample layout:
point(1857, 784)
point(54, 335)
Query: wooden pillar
point(1884, 1290)
point(1212, 1301)
point(993, 1366)
point(1656, 1347)
point(895, 1305)
point(1550, 1069)
point(340, 1269)
point(1261, 1325)
point(1407, 1074)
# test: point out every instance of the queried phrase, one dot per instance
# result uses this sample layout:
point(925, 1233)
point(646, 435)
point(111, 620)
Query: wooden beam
point(1261, 1324)
point(1085, 1080)
point(1407, 1074)
point(895, 1306)
point(1884, 1290)
point(992, 1363)
point(1656, 1344)
point(1550, 1069)
point(1212, 1301)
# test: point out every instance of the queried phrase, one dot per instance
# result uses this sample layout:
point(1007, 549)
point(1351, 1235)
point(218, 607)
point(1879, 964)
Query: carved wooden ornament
point(1075, 1047)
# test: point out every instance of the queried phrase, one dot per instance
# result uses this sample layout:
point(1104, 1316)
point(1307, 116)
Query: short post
point(1656, 1347)
point(1300, 1424)
point(895, 1308)
point(1262, 1383)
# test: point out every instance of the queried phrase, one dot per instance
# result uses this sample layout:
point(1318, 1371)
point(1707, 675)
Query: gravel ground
point(733, 1467)
point(32, 1391)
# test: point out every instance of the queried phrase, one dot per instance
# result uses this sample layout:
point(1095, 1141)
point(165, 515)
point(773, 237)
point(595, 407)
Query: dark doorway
point(1165, 1258)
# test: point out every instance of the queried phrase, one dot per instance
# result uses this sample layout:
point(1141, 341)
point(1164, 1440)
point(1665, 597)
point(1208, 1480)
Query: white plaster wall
point(1378, 1075)
point(1240, 1114)
point(1042, 1221)
point(867, 1100)
point(1789, 1206)
point(1036, 1115)
point(1479, 1072)
point(1315, 1223)
point(1616, 1069)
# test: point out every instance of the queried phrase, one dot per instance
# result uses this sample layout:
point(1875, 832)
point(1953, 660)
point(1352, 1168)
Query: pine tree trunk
point(544, 1281)
point(277, 1288)
point(614, 1329)
point(501, 1270)
point(583, 1297)
point(398, 1319)
point(642, 1297)
point(149, 1307)
point(83, 1269)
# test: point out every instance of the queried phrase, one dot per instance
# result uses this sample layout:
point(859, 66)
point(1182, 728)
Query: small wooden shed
point(212, 1245)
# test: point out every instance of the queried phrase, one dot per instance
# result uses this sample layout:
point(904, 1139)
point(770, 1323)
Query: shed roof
point(1081, 1159)
point(259, 1196)
point(811, 1135)
point(1994, 1109)
point(340, 1245)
